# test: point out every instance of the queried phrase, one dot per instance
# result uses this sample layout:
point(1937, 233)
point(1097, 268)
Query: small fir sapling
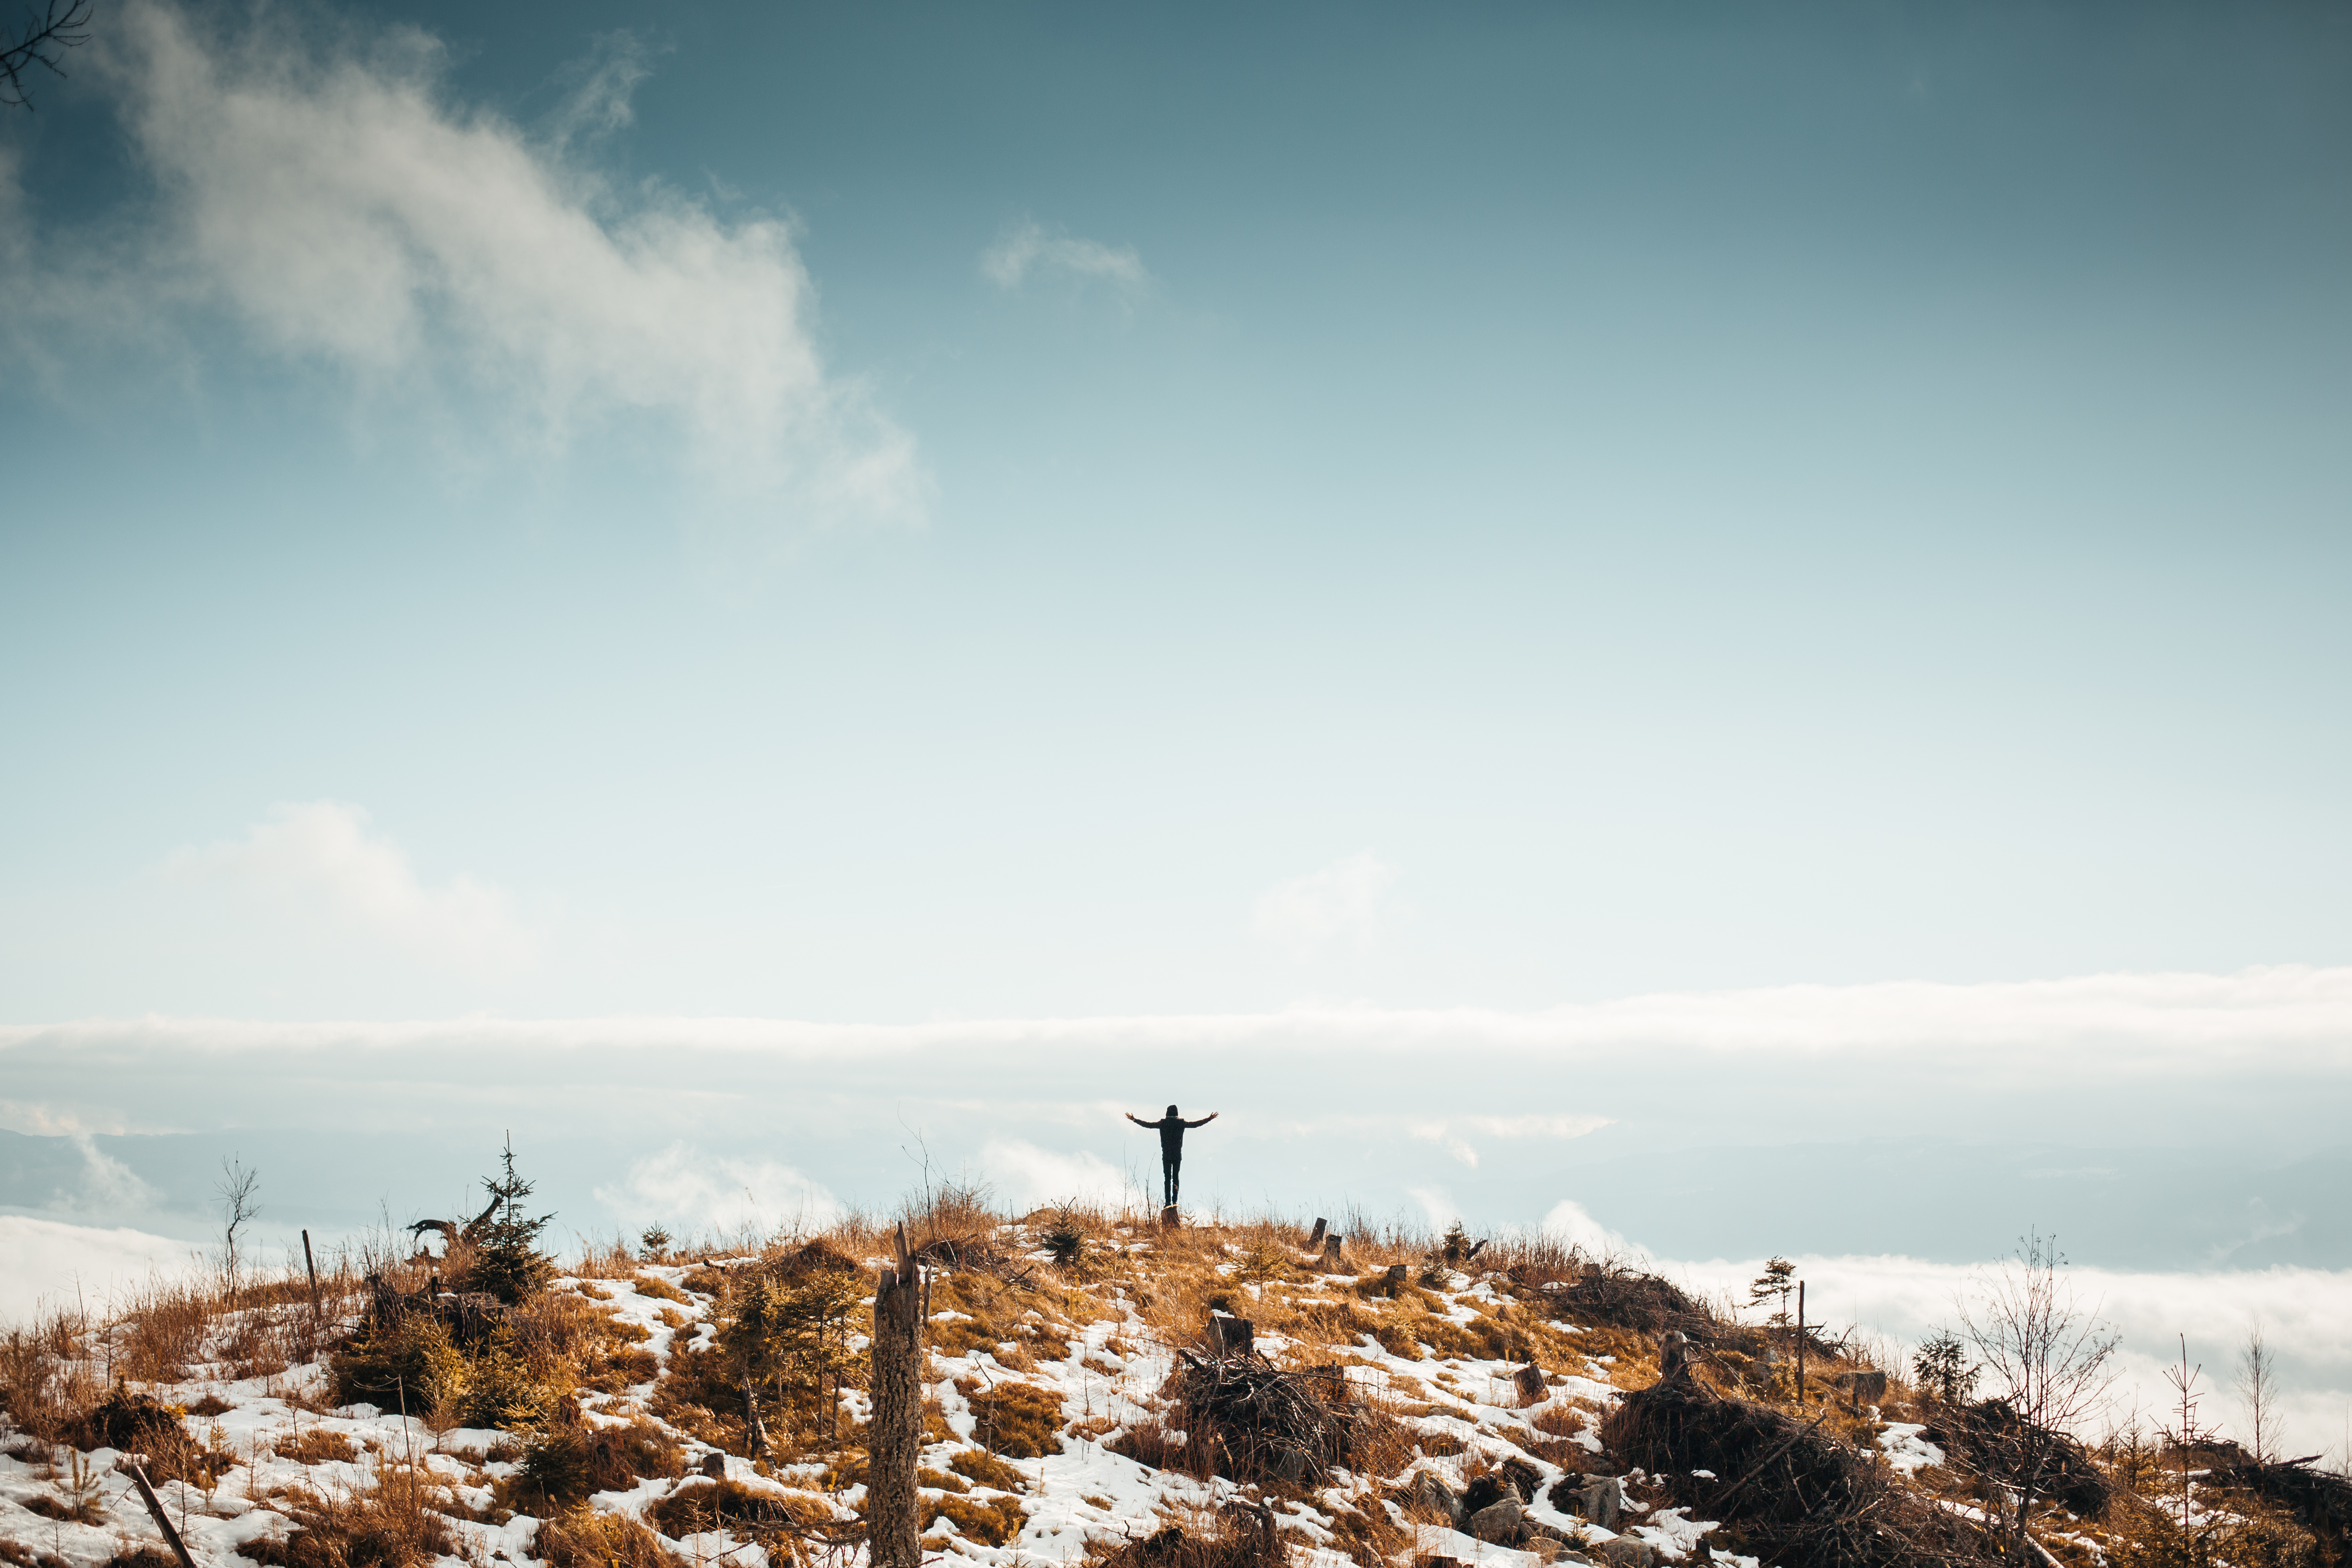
point(654, 1242)
point(507, 1262)
point(1064, 1237)
point(1774, 1285)
point(2187, 1434)
point(1942, 1369)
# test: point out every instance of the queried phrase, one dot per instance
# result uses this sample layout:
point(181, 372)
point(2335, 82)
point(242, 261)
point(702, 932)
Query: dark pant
point(1169, 1165)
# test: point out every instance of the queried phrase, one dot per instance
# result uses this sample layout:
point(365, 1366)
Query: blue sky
point(894, 515)
point(884, 512)
point(1573, 613)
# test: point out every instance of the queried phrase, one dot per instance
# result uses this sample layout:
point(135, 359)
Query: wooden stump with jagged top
point(892, 1528)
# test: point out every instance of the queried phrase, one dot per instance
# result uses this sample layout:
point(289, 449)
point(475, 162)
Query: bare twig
point(60, 25)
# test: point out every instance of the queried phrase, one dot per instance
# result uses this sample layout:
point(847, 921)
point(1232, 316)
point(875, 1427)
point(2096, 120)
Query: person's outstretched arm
point(1204, 1121)
point(1138, 1120)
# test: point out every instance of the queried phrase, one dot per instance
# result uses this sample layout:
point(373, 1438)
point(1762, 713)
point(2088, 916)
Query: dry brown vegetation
point(1799, 1483)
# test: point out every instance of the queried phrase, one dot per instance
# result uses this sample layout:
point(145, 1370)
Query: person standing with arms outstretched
point(1171, 1128)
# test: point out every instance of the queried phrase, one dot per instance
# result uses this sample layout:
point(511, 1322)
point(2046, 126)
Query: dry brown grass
point(991, 1521)
point(570, 1463)
point(316, 1446)
point(1017, 1420)
point(588, 1538)
point(396, 1522)
point(1234, 1536)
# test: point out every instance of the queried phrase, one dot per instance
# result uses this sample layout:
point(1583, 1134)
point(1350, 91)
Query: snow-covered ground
point(1464, 1412)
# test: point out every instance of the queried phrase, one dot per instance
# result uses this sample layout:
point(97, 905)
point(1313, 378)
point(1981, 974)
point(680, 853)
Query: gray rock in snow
point(1625, 1551)
point(1433, 1493)
point(1503, 1523)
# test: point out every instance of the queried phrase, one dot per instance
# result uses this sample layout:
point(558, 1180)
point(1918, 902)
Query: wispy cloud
point(1027, 249)
point(1341, 903)
point(690, 1191)
point(1450, 1133)
point(340, 204)
point(1026, 1174)
point(1567, 1222)
point(320, 857)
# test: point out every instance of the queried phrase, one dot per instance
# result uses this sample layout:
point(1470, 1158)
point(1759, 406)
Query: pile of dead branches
point(2320, 1500)
point(1790, 1493)
point(1257, 1423)
point(1991, 1439)
point(1612, 1293)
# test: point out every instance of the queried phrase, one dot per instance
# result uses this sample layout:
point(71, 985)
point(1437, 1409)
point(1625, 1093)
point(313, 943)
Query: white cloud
point(50, 1264)
point(2170, 1028)
point(1438, 1203)
point(1026, 1175)
point(1027, 247)
point(340, 204)
point(1436, 1132)
point(108, 1185)
point(320, 857)
point(1568, 1222)
point(1340, 902)
point(1447, 1133)
point(689, 1192)
point(1535, 1126)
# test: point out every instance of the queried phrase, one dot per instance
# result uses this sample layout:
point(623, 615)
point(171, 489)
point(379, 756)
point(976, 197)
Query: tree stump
point(1335, 1257)
point(1394, 1280)
point(1230, 1335)
point(1529, 1381)
point(1314, 1237)
point(755, 1431)
point(893, 1537)
point(1169, 1219)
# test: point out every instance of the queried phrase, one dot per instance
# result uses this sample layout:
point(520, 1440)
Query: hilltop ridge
point(1097, 1387)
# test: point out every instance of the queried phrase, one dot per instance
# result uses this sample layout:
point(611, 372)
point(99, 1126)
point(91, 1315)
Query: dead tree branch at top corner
point(59, 24)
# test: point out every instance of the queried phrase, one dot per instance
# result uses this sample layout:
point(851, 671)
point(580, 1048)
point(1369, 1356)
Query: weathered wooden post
point(311, 1264)
point(1314, 1238)
point(891, 1535)
point(155, 1509)
point(1800, 1341)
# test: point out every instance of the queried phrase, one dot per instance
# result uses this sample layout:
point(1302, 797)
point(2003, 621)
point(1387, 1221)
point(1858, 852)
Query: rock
point(1625, 1551)
point(1599, 1501)
point(1491, 1488)
point(1503, 1523)
point(1436, 1496)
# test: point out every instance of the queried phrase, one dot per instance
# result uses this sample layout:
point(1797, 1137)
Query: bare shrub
point(2050, 1360)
